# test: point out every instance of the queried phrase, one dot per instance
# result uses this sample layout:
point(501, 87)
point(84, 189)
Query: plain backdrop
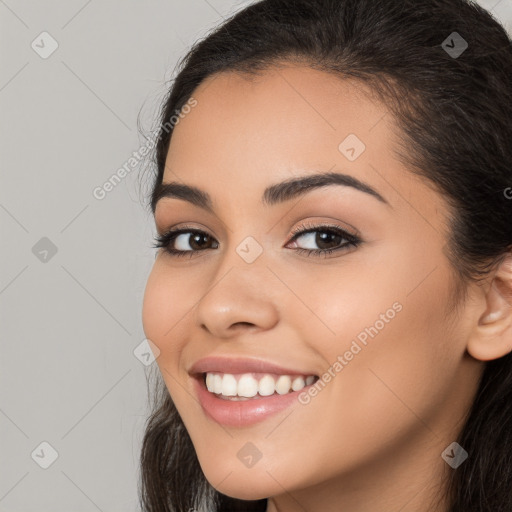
point(74, 77)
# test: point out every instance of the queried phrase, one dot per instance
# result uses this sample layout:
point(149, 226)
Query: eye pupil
point(323, 237)
point(196, 239)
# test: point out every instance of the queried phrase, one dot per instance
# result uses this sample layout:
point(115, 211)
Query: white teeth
point(266, 386)
point(298, 383)
point(283, 384)
point(229, 385)
point(209, 380)
point(217, 383)
point(249, 386)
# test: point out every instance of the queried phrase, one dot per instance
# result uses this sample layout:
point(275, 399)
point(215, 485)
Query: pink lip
point(241, 365)
point(242, 413)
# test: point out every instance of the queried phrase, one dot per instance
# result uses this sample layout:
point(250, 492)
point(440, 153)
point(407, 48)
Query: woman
point(331, 302)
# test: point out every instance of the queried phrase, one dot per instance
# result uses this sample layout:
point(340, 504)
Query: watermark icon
point(249, 455)
point(44, 45)
point(44, 455)
point(249, 249)
point(100, 192)
point(44, 250)
point(508, 193)
point(146, 352)
point(343, 360)
point(454, 45)
point(454, 455)
point(351, 147)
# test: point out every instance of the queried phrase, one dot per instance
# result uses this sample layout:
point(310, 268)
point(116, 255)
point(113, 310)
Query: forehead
point(247, 132)
point(279, 120)
point(308, 102)
point(307, 91)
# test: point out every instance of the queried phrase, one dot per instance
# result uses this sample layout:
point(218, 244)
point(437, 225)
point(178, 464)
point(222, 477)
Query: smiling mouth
point(254, 386)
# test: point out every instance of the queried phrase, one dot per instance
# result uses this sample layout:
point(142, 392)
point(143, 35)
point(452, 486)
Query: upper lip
point(236, 365)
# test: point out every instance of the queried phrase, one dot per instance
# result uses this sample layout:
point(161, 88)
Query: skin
point(372, 438)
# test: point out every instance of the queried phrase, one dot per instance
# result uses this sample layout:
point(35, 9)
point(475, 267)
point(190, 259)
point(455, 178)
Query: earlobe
point(491, 338)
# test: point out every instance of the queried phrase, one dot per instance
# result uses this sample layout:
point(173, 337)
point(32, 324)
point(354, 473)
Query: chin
point(243, 484)
point(247, 489)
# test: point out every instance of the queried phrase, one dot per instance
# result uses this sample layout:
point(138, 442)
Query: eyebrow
point(274, 194)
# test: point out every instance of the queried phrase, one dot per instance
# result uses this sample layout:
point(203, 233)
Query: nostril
point(243, 324)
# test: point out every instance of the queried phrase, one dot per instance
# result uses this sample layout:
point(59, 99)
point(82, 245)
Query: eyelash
point(164, 240)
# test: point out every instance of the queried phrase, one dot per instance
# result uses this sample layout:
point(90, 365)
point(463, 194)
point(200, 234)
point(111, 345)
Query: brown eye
point(321, 239)
point(197, 241)
point(185, 242)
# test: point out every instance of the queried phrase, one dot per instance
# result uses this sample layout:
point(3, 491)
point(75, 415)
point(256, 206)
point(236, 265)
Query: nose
point(239, 299)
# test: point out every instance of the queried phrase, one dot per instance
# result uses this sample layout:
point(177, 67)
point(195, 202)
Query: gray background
point(71, 319)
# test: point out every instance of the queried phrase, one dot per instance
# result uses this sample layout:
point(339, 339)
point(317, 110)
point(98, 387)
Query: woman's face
point(371, 320)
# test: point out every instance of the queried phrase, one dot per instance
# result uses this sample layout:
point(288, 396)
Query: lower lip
point(242, 413)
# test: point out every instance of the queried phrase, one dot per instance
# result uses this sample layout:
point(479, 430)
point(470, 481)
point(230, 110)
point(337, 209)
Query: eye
point(322, 239)
point(315, 240)
point(195, 241)
point(185, 241)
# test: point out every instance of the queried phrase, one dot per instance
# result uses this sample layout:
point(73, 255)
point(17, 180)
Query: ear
point(491, 338)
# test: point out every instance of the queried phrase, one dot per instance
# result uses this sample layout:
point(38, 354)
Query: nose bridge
point(239, 292)
point(246, 250)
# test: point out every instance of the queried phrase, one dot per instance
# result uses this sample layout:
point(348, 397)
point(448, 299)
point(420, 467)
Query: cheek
point(153, 307)
point(164, 311)
point(385, 320)
point(167, 299)
point(401, 374)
